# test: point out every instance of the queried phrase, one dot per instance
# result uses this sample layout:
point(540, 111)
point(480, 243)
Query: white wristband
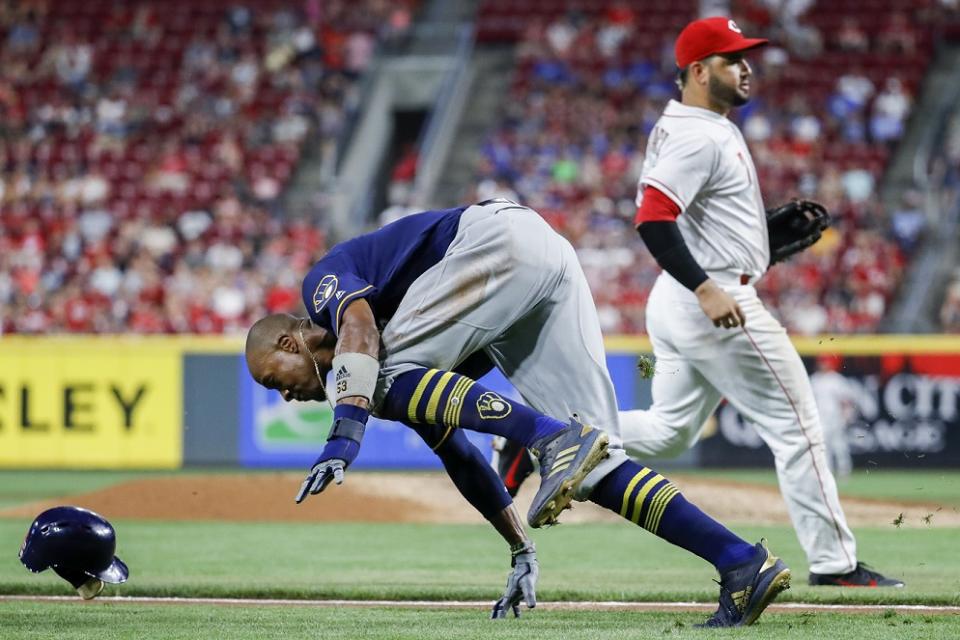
point(354, 374)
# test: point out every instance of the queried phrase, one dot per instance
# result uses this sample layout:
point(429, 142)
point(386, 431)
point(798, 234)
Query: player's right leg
point(567, 453)
point(683, 399)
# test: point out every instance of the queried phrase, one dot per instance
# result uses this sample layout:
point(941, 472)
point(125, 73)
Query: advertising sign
point(89, 403)
point(904, 411)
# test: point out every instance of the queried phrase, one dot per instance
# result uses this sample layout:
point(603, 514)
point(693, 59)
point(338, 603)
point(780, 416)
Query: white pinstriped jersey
point(700, 160)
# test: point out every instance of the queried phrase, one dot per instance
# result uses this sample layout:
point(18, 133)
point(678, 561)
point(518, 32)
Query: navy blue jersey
point(379, 266)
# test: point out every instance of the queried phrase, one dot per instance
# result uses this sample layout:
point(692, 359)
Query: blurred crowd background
point(146, 147)
point(831, 99)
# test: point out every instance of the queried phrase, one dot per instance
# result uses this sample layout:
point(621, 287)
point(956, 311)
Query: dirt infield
point(423, 497)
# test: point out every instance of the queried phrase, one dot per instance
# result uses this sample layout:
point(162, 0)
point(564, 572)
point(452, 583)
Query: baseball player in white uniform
point(701, 214)
point(837, 404)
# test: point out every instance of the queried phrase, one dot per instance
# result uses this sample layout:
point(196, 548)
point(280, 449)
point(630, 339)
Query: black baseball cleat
point(746, 590)
point(565, 460)
point(514, 464)
point(862, 576)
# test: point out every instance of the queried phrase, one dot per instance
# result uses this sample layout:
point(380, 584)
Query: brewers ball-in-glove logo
point(324, 291)
point(490, 406)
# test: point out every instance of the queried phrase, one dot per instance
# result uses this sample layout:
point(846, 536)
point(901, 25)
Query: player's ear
point(286, 343)
point(699, 71)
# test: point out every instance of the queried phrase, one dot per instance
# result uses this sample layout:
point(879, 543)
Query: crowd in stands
point(145, 146)
point(833, 94)
point(950, 310)
point(948, 171)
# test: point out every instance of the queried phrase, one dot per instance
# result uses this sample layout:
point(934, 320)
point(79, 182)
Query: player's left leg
point(773, 392)
point(646, 498)
point(513, 463)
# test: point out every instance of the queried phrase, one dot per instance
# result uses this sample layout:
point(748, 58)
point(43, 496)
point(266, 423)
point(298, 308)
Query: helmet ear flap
point(75, 577)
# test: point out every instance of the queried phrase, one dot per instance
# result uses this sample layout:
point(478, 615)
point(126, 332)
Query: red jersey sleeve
point(656, 207)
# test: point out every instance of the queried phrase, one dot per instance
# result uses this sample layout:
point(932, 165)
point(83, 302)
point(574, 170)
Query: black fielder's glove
point(794, 226)
point(521, 583)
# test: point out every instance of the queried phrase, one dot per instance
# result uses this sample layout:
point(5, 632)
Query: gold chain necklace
point(316, 365)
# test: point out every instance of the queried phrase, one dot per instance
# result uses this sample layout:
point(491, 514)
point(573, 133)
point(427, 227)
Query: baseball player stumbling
point(701, 215)
point(407, 317)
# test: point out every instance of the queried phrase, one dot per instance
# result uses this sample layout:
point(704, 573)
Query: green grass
point(108, 621)
point(578, 562)
point(937, 486)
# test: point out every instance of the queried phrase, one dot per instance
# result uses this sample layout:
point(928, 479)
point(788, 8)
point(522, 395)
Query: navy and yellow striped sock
point(431, 396)
point(646, 498)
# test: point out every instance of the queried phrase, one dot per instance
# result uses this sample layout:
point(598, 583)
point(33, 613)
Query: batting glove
point(521, 583)
point(341, 449)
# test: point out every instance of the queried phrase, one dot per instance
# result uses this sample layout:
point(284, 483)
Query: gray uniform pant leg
point(513, 287)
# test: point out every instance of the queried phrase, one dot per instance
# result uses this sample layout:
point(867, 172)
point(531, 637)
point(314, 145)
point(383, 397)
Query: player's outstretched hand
point(320, 476)
point(333, 461)
point(521, 583)
point(719, 306)
point(339, 452)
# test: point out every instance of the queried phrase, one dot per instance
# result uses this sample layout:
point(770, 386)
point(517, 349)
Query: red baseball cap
point(709, 36)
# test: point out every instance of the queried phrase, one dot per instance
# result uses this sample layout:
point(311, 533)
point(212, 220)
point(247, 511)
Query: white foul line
point(483, 604)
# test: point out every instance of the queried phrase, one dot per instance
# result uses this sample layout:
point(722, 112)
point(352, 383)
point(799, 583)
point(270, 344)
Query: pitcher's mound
point(423, 497)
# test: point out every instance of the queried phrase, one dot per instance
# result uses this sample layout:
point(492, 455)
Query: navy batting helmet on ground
point(76, 543)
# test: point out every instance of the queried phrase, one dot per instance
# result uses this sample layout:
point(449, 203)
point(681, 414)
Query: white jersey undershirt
point(700, 160)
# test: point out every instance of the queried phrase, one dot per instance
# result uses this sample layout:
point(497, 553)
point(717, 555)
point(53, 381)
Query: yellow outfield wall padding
point(91, 403)
point(851, 345)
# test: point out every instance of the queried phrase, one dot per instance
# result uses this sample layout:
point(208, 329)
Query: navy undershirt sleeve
point(665, 242)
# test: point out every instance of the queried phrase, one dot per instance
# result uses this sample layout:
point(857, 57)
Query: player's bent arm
point(719, 306)
point(357, 356)
point(482, 487)
point(356, 366)
point(665, 242)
